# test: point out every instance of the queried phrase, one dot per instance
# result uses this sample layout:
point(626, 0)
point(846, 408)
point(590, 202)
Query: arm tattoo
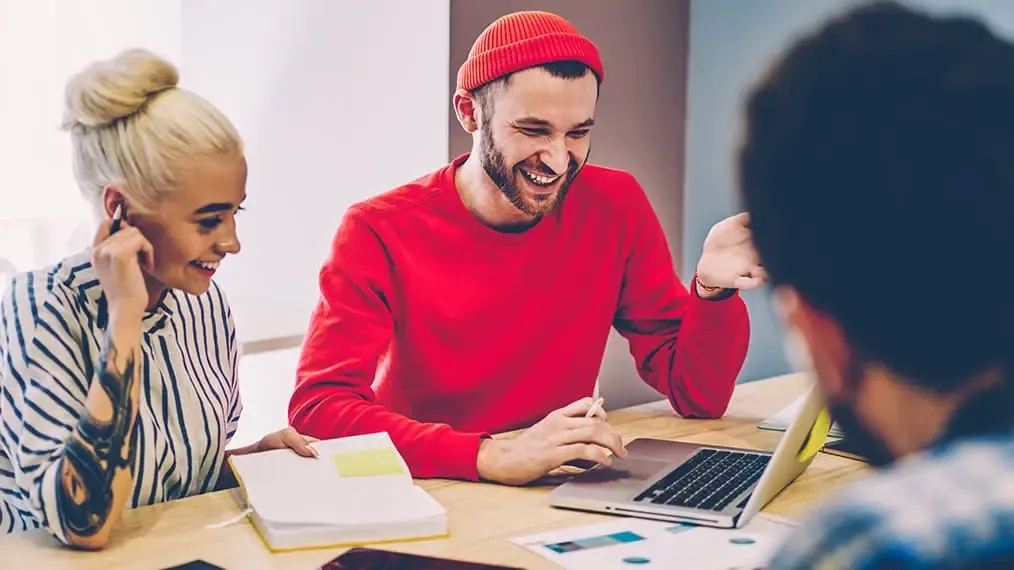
point(99, 450)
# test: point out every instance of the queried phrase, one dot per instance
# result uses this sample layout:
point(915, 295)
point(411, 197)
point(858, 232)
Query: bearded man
point(479, 298)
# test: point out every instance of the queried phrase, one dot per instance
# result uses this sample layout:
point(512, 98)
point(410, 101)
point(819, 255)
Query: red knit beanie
point(521, 40)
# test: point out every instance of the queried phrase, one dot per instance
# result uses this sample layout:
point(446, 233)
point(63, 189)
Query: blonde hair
point(132, 127)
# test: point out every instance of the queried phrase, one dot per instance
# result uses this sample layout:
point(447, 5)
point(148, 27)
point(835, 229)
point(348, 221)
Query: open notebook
point(358, 491)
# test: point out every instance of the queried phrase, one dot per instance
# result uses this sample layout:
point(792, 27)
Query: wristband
point(725, 293)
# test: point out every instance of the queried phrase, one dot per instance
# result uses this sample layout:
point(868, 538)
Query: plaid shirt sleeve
point(951, 509)
point(843, 535)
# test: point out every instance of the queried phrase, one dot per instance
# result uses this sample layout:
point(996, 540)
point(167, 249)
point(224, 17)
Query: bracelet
point(709, 288)
point(725, 293)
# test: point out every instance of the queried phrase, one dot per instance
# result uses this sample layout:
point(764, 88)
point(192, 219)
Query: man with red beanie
point(479, 298)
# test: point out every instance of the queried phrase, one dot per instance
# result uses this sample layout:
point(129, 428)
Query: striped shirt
point(51, 331)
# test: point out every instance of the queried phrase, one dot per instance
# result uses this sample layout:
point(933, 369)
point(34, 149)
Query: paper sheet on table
point(784, 417)
point(626, 543)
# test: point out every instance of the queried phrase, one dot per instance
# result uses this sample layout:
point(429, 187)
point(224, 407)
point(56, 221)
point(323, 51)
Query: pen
point(117, 217)
point(595, 407)
point(103, 316)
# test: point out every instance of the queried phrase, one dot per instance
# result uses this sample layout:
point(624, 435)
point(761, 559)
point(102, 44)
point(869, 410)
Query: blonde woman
point(118, 365)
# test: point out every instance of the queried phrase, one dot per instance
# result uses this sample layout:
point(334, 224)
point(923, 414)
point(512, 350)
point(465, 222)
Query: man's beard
point(860, 440)
point(493, 163)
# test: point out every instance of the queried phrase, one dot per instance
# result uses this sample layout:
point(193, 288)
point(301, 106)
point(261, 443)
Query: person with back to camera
point(879, 149)
point(118, 365)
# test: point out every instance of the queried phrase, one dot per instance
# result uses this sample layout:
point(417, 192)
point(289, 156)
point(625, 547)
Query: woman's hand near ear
point(117, 258)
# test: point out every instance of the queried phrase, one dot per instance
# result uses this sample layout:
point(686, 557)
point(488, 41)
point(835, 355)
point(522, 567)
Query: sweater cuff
point(717, 313)
point(460, 454)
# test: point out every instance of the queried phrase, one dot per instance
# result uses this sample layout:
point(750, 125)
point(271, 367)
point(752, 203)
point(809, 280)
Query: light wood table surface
point(483, 517)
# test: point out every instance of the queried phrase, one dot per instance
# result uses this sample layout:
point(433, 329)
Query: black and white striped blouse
point(51, 330)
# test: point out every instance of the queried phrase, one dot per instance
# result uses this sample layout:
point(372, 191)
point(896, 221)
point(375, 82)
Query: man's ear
point(827, 347)
point(111, 198)
point(787, 306)
point(467, 110)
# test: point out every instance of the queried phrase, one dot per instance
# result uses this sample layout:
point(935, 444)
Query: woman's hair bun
point(115, 88)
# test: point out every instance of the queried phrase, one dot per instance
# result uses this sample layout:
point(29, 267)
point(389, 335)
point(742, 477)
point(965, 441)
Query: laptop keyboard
point(709, 480)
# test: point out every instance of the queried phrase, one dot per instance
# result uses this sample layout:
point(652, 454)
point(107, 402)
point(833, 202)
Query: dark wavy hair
point(878, 169)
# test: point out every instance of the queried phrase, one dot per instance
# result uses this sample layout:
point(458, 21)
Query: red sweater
point(440, 330)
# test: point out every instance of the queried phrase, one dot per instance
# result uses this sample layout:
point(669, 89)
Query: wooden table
point(483, 517)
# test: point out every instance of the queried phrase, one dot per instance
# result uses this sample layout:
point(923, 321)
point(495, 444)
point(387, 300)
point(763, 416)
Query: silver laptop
point(698, 484)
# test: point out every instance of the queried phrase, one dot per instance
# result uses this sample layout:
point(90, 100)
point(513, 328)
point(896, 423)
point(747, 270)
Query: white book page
point(355, 480)
point(783, 418)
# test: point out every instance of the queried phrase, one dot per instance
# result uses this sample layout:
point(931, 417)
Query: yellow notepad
point(368, 462)
point(358, 491)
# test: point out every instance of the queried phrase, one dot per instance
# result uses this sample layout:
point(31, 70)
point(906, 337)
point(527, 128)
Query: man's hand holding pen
point(576, 432)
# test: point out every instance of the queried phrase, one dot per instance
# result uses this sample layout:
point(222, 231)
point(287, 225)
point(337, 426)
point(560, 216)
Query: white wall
point(42, 43)
point(336, 101)
point(265, 387)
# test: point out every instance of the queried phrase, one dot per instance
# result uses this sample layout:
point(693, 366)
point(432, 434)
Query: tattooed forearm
point(102, 448)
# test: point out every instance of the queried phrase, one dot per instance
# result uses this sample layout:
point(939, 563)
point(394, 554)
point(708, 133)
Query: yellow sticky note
point(817, 436)
point(368, 462)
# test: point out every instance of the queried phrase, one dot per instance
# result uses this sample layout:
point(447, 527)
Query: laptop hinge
point(671, 517)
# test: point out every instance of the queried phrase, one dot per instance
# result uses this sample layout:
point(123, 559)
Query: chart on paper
point(636, 543)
